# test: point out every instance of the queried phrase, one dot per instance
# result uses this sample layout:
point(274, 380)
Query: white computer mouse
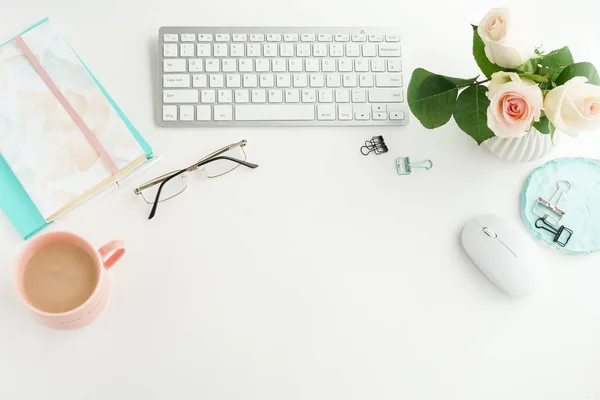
point(504, 253)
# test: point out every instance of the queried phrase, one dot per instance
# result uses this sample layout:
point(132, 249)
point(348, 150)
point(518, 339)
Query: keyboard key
point(317, 80)
point(375, 38)
point(240, 37)
point(300, 80)
point(169, 113)
point(290, 37)
point(234, 81)
point(334, 80)
point(328, 65)
point(186, 113)
point(359, 96)
point(267, 80)
point(342, 96)
point(216, 81)
point(284, 80)
point(325, 37)
point(307, 37)
point(325, 96)
point(180, 96)
point(309, 96)
point(253, 49)
point(188, 37)
point(203, 50)
point(275, 96)
point(312, 65)
point(345, 65)
point(377, 65)
point(366, 80)
point(212, 65)
point(345, 112)
point(257, 37)
point(286, 50)
point(219, 50)
point(205, 37)
point(361, 116)
point(394, 65)
point(352, 50)
point(208, 96)
point(250, 80)
point(176, 80)
point(397, 115)
point(379, 115)
point(237, 50)
point(278, 65)
point(326, 112)
point(340, 37)
point(349, 80)
point(225, 96)
point(388, 80)
point(170, 50)
point(270, 50)
point(246, 65)
point(359, 37)
point(262, 65)
point(292, 96)
point(194, 65)
point(361, 65)
point(229, 65)
point(174, 65)
point(369, 50)
point(203, 113)
point(171, 37)
point(273, 37)
point(223, 113)
point(295, 65)
point(389, 50)
point(336, 50)
point(378, 108)
point(242, 96)
point(199, 81)
point(386, 95)
point(222, 37)
point(319, 50)
point(282, 112)
point(259, 96)
point(303, 50)
point(392, 38)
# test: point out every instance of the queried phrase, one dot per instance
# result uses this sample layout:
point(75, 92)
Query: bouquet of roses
point(525, 88)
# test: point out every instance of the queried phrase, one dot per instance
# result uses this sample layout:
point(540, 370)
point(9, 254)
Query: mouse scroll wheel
point(490, 233)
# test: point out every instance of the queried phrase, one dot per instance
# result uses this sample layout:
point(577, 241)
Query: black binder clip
point(376, 145)
point(557, 232)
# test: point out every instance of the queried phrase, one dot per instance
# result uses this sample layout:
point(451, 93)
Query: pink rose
point(515, 103)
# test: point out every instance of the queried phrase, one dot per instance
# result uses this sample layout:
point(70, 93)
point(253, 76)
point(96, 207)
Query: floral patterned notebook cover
point(40, 142)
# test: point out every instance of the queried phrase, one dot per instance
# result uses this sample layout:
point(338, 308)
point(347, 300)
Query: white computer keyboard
point(244, 76)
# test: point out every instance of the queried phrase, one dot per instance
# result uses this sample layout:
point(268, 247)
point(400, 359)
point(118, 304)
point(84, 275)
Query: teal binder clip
point(404, 166)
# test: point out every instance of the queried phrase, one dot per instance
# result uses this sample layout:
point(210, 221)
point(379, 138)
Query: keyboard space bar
point(275, 112)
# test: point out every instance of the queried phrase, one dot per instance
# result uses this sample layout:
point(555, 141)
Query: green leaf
point(431, 98)
point(535, 78)
point(485, 65)
point(459, 82)
point(543, 125)
point(470, 113)
point(553, 63)
point(580, 69)
point(552, 132)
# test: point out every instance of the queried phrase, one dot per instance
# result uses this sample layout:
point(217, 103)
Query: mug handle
point(111, 252)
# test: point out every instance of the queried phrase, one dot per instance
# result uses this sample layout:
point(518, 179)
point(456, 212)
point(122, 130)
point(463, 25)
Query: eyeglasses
point(217, 163)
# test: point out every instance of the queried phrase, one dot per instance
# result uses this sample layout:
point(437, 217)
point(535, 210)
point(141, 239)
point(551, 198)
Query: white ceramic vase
point(531, 147)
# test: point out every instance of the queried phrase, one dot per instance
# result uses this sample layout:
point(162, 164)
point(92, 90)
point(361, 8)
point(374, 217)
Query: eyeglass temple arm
point(192, 168)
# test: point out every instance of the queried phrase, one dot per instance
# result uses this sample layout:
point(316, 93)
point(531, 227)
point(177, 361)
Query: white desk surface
point(322, 274)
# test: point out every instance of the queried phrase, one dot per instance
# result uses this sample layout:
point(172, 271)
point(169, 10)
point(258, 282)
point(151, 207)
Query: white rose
point(515, 103)
point(504, 45)
point(574, 107)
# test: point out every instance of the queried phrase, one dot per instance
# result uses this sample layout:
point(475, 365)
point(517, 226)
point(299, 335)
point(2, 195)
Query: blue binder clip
point(404, 165)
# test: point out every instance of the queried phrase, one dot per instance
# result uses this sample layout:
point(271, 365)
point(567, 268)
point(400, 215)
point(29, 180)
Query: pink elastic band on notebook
point(89, 135)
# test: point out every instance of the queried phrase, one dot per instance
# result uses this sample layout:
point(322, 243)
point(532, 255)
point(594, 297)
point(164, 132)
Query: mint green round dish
point(581, 203)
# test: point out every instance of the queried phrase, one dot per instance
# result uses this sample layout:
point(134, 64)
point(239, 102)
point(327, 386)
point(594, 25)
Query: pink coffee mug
point(104, 258)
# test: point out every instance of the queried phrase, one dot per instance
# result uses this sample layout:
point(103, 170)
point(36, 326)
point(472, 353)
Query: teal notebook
point(48, 99)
